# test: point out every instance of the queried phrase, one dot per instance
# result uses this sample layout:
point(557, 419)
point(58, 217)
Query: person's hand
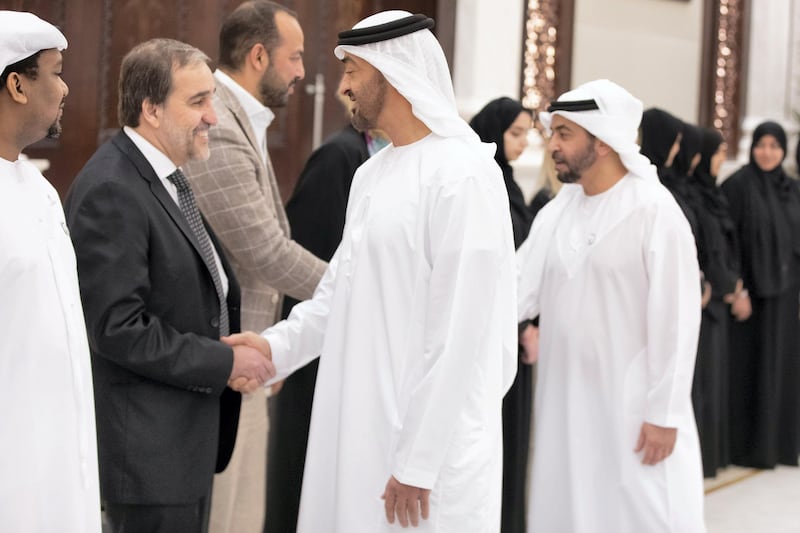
point(656, 442)
point(706, 297)
point(405, 502)
point(741, 306)
point(731, 296)
point(252, 364)
point(529, 340)
point(252, 339)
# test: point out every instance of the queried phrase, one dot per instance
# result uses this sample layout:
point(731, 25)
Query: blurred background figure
point(718, 255)
point(764, 393)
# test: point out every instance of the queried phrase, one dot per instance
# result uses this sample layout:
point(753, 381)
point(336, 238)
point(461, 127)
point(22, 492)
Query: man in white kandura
point(610, 266)
point(48, 447)
point(415, 315)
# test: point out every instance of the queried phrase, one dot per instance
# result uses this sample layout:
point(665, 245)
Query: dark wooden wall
point(100, 33)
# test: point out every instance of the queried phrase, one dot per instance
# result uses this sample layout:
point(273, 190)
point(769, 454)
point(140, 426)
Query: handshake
point(252, 361)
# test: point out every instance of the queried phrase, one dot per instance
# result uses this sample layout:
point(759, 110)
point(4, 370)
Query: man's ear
point(151, 113)
point(258, 57)
point(602, 148)
point(15, 87)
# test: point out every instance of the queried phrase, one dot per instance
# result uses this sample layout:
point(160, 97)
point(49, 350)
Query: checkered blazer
point(238, 194)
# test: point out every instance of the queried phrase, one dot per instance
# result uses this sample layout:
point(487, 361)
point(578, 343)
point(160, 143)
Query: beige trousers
point(239, 494)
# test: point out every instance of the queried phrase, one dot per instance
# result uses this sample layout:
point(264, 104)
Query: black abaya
point(765, 350)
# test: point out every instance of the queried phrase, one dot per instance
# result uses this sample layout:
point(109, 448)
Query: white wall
point(488, 52)
point(650, 47)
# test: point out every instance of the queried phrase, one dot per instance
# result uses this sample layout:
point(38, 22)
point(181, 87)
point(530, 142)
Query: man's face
point(572, 148)
point(366, 88)
point(47, 93)
point(285, 63)
point(187, 114)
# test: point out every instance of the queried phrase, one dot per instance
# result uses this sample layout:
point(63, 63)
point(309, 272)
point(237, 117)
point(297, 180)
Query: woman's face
point(515, 138)
point(767, 153)
point(718, 158)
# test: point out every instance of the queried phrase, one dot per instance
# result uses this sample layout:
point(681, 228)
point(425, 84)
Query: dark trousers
point(128, 518)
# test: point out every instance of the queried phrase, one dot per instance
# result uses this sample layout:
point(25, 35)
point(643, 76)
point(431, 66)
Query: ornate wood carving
point(546, 53)
point(724, 53)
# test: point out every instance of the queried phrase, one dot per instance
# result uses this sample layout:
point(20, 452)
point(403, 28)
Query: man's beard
point(577, 166)
point(272, 91)
point(54, 131)
point(370, 104)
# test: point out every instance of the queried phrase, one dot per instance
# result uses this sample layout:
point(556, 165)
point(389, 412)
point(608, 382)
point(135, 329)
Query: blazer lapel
point(230, 101)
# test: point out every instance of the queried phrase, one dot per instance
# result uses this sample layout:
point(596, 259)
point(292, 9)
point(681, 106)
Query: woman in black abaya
point(765, 355)
point(506, 123)
point(719, 260)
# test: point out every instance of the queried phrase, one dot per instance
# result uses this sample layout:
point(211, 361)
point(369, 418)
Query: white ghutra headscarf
point(414, 64)
point(611, 114)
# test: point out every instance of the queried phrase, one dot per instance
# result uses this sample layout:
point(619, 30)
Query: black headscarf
point(710, 141)
point(659, 130)
point(691, 145)
point(765, 203)
point(713, 199)
point(490, 124)
point(797, 155)
point(717, 247)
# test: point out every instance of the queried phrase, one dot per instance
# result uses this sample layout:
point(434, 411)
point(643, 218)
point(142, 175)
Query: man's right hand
point(252, 364)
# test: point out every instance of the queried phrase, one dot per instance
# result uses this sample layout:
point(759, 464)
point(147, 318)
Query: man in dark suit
point(158, 294)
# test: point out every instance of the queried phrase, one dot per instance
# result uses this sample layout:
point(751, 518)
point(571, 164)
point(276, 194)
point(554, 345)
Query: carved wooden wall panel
point(101, 32)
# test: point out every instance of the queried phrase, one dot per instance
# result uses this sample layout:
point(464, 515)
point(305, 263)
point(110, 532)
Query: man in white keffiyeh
point(415, 316)
point(610, 268)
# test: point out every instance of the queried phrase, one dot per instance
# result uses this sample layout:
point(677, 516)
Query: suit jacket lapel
point(147, 173)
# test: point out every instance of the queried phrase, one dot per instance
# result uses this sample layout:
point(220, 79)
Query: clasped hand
point(252, 361)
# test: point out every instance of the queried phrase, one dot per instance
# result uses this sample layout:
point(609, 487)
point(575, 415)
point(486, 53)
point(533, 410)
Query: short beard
point(370, 104)
point(581, 162)
point(271, 90)
point(54, 131)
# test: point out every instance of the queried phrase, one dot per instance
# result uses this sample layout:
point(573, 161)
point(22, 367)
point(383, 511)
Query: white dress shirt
point(163, 167)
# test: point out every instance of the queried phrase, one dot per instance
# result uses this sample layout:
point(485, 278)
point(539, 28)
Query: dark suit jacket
point(165, 418)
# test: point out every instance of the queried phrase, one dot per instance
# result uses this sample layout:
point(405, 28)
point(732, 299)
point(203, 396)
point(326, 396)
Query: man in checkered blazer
point(261, 47)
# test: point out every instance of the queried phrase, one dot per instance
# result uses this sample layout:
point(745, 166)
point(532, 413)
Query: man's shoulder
point(109, 161)
point(649, 192)
point(111, 168)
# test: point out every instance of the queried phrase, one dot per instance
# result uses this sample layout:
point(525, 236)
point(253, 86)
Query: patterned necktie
point(189, 208)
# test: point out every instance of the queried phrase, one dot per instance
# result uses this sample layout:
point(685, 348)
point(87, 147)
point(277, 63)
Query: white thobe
point(615, 278)
point(48, 449)
point(415, 321)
